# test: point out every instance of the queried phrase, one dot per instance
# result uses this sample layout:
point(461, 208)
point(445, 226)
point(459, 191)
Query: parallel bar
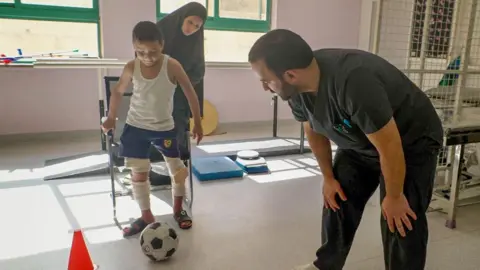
point(104, 63)
point(302, 139)
point(275, 116)
point(107, 63)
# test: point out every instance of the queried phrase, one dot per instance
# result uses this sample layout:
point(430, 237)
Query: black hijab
point(188, 50)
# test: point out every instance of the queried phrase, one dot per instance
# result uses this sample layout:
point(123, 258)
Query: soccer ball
point(159, 241)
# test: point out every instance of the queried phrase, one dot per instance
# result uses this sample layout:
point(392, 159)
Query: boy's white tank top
point(151, 104)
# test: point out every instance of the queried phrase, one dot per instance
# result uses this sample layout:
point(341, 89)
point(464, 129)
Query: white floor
point(263, 222)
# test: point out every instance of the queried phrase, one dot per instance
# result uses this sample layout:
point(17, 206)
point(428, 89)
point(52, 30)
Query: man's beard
point(288, 91)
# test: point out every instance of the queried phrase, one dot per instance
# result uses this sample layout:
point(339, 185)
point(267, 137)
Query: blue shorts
point(136, 142)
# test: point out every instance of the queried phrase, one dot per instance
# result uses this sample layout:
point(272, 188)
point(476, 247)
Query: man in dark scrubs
point(387, 132)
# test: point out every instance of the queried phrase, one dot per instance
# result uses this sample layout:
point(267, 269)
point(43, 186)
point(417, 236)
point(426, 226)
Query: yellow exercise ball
point(209, 119)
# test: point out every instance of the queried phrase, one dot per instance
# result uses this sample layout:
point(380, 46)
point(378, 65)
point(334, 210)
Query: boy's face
point(148, 52)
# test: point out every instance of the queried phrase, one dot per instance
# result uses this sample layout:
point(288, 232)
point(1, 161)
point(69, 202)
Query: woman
point(183, 41)
point(183, 32)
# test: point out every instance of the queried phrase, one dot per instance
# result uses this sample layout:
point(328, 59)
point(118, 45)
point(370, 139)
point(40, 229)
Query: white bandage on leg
point(179, 174)
point(139, 165)
point(141, 193)
point(178, 185)
point(140, 189)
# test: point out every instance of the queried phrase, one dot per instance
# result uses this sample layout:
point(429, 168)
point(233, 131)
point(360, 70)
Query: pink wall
point(34, 101)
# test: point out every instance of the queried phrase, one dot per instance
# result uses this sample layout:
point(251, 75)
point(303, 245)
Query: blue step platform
point(253, 166)
point(254, 169)
point(215, 168)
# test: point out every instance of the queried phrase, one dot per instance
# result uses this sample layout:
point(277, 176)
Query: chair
point(112, 139)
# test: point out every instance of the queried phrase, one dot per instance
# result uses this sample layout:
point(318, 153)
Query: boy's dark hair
point(281, 50)
point(147, 31)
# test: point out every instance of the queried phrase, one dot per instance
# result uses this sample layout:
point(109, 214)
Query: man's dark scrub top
point(359, 92)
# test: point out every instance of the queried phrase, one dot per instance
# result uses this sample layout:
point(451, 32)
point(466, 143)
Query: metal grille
point(436, 43)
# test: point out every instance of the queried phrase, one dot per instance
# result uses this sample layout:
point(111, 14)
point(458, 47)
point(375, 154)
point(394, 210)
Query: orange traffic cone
point(79, 256)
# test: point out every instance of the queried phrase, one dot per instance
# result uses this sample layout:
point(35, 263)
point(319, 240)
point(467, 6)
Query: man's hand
point(397, 211)
point(331, 188)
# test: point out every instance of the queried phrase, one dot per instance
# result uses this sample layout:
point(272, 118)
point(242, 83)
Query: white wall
point(35, 101)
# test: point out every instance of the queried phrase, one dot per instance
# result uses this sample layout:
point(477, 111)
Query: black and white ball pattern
point(159, 241)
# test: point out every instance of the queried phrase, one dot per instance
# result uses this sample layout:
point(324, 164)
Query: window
point(231, 28)
point(43, 26)
point(75, 3)
point(440, 28)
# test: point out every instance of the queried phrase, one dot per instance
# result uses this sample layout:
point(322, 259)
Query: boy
point(149, 121)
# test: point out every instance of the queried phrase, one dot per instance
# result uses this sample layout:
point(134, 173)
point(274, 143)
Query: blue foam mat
point(215, 168)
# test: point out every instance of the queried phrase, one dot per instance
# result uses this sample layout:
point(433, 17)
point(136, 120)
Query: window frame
point(21, 11)
point(216, 22)
point(451, 31)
